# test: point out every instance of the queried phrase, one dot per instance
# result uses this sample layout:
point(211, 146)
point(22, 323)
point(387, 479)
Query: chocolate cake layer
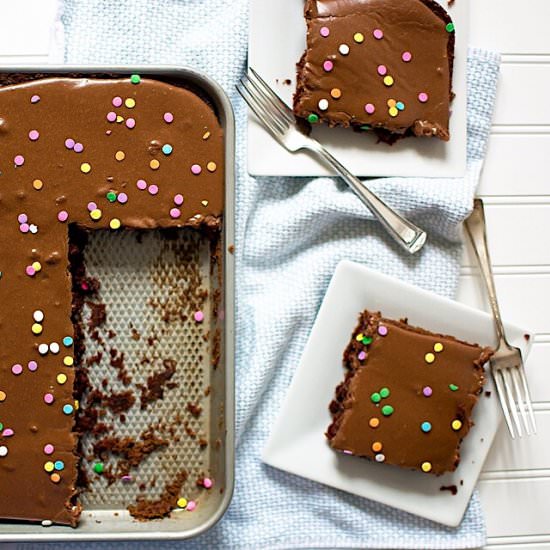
point(100, 153)
point(408, 395)
point(377, 64)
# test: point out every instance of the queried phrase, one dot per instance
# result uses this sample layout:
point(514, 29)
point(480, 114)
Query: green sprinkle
point(453, 387)
point(111, 196)
point(384, 392)
point(98, 468)
point(376, 397)
point(1, 426)
point(450, 27)
point(312, 118)
point(365, 127)
point(135, 79)
point(367, 340)
point(387, 410)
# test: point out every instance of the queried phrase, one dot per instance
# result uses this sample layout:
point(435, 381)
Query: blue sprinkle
point(68, 409)
point(400, 105)
point(167, 149)
point(59, 465)
point(426, 427)
point(67, 341)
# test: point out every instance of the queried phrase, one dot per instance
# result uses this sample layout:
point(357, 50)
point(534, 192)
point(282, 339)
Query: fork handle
point(408, 235)
point(475, 228)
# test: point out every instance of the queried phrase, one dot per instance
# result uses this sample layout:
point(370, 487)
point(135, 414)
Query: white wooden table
point(515, 485)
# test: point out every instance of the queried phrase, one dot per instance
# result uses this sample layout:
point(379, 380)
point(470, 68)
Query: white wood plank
point(524, 299)
point(521, 94)
point(516, 507)
point(516, 165)
point(538, 375)
point(528, 453)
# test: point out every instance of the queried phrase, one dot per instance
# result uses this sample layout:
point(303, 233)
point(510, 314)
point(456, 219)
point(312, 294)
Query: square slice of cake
point(377, 64)
point(408, 395)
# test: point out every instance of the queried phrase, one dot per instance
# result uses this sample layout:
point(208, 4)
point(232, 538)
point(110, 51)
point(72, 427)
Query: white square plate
point(277, 41)
point(297, 443)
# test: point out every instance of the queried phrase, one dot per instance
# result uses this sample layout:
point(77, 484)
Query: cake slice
point(408, 395)
point(377, 64)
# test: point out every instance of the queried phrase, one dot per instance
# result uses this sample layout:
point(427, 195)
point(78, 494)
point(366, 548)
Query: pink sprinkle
point(175, 213)
point(328, 65)
point(24, 228)
point(130, 123)
point(62, 216)
point(207, 482)
point(69, 143)
point(382, 70)
point(17, 369)
point(32, 365)
point(191, 505)
point(22, 218)
point(35, 99)
point(49, 449)
point(198, 316)
point(153, 189)
point(19, 160)
point(378, 34)
point(178, 199)
point(91, 206)
point(122, 198)
point(34, 135)
point(406, 56)
point(168, 117)
point(324, 31)
point(346, 452)
point(8, 432)
point(126, 478)
point(141, 184)
point(117, 101)
point(382, 330)
point(48, 398)
point(84, 286)
point(427, 391)
point(361, 356)
point(111, 116)
point(30, 271)
point(422, 97)
point(369, 108)
point(196, 169)
point(78, 148)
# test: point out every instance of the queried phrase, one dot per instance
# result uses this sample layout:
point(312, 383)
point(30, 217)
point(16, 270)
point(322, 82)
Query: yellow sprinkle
point(211, 166)
point(391, 103)
point(388, 80)
point(429, 357)
point(37, 266)
point(48, 466)
point(130, 103)
point(120, 155)
point(96, 214)
point(85, 167)
point(426, 466)
point(359, 337)
point(68, 361)
point(374, 422)
point(61, 378)
point(119, 119)
point(438, 346)
point(393, 111)
point(2, 396)
point(358, 37)
point(114, 223)
point(204, 203)
point(206, 135)
point(336, 93)
point(154, 164)
point(377, 446)
point(38, 184)
point(56, 478)
point(36, 328)
point(182, 502)
point(456, 425)
point(76, 404)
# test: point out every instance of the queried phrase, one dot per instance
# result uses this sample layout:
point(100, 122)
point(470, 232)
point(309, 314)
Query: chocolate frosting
point(100, 153)
point(432, 382)
point(377, 64)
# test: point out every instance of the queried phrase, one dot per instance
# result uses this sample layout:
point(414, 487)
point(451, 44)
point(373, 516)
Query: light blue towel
point(291, 233)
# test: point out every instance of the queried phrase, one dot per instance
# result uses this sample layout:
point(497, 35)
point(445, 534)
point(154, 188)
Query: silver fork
point(506, 364)
point(278, 118)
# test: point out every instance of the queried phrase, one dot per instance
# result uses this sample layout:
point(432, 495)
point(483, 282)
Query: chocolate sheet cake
point(377, 65)
point(101, 153)
point(408, 395)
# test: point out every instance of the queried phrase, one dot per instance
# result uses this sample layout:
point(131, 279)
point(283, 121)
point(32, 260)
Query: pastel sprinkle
point(358, 37)
point(36, 328)
point(387, 410)
point(153, 189)
point(49, 449)
point(135, 79)
point(207, 483)
point(312, 118)
point(130, 102)
point(59, 465)
point(30, 271)
point(19, 160)
point(111, 196)
point(68, 409)
point(374, 422)
point(423, 97)
point(120, 155)
point(384, 392)
point(32, 366)
point(141, 185)
point(449, 27)
point(78, 147)
point(175, 213)
point(178, 199)
point(55, 478)
point(68, 361)
point(336, 93)
point(34, 135)
point(376, 397)
point(369, 108)
point(43, 349)
point(122, 198)
point(438, 347)
point(91, 206)
point(181, 502)
point(456, 425)
point(24, 228)
point(343, 49)
point(406, 56)
point(46, 523)
point(3, 450)
point(426, 427)
point(367, 340)
point(378, 34)
point(96, 214)
point(35, 99)
point(388, 80)
point(393, 111)
point(198, 316)
point(22, 218)
point(111, 116)
point(323, 104)
point(154, 164)
point(204, 203)
point(426, 466)
point(67, 341)
point(85, 167)
point(115, 223)
point(380, 457)
point(453, 387)
point(382, 70)
point(2, 396)
point(117, 101)
point(37, 184)
point(361, 355)
point(54, 348)
point(196, 169)
point(130, 123)
point(17, 369)
point(376, 446)
point(167, 149)
point(191, 505)
point(62, 216)
point(126, 478)
point(328, 66)
point(7, 432)
point(382, 330)
point(168, 117)
point(324, 31)
point(98, 468)
point(429, 358)
point(48, 398)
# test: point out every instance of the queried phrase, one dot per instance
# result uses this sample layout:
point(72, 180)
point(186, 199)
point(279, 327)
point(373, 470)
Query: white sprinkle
point(343, 49)
point(47, 523)
point(54, 347)
point(33, 228)
point(38, 316)
point(43, 349)
point(323, 104)
point(3, 450)
point(379, 457)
